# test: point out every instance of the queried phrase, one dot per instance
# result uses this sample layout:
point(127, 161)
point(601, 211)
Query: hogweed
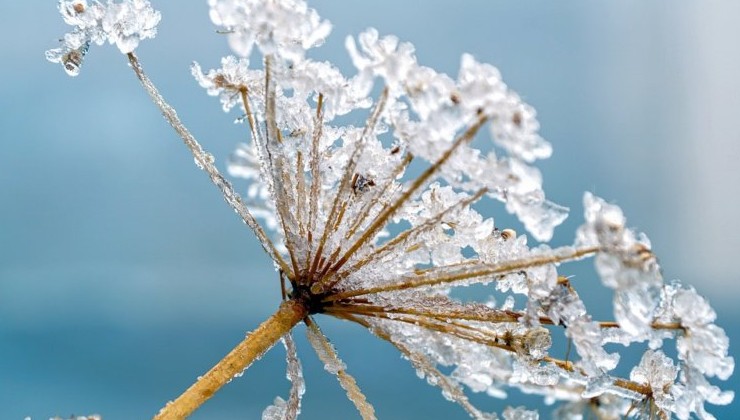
point(328, 196)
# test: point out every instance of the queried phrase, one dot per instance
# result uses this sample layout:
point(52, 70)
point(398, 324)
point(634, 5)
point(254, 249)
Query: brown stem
point(252, 347)
point(439, 276)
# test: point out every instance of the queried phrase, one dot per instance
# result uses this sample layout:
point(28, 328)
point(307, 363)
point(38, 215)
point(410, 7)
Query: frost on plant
point(325, 200)
point(123, 23)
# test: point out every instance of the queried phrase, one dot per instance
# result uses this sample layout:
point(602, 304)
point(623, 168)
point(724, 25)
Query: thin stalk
point(456, 332)
point(655, 325)
point(204, 160)
point(277, 165)
point(315, 191)
point(344, 184)
point(301, 193)
point(441, 277)
point(493, 316)
point(451, 389)
point(251, 348)
point(329, 357)
point(377, 194)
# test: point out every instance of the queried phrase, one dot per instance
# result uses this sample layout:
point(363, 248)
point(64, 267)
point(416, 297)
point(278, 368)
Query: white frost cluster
point(625, 264)
point(286, 27)
point(657, 371)
point(123, 23)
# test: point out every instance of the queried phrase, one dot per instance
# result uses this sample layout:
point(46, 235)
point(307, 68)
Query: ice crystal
point(358, 236)
point(286, 28)
point(123, 23)
point(625, 265)
point(705, 345)
point(520, 413)
point(658, 372)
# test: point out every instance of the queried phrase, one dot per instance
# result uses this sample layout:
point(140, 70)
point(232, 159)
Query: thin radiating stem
point(491, 315)
point(451, 330)
point(301, 193)
point(344, 184)
point(332, 363)
point(451, 389)
point(465, 332)
point(315, 192)
point(294, 373)
point(205, 161)
point(441, 276)
point(377, 194)
point(276, 162)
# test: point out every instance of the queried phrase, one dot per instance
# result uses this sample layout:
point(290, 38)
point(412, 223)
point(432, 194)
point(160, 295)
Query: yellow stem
point(252, 347)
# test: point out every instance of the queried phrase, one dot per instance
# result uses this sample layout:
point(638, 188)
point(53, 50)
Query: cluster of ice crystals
point(442, 107)
point(276, 411)
point(564, 306)
point(519, 413)
point(226, 82)
point(605, 406)
point(657, 371)
point(124, 23)
point(514, 125)
point(340, 96)
point(704, 346)
point(283, 27)
point(385, 57)
point(625, 264)
point(693, 391)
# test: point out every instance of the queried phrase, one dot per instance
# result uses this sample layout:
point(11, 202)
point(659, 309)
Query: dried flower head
point(355, 233)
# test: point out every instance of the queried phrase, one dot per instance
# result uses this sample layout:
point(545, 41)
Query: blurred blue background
point(123, 275)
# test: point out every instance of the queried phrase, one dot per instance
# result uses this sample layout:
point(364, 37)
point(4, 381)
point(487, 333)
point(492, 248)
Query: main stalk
point(254, 345)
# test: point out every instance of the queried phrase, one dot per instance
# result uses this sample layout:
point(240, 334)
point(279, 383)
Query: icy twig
point(450, 389)
point(298, 387)
point(314, 164)
point(276, 162)
point(205, 161)
point(442, 276)
point(334, 365)
point(336, 213)
point(377, 195)
point(476, 335)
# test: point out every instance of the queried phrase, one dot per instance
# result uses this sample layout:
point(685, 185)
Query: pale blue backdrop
point(123, 275)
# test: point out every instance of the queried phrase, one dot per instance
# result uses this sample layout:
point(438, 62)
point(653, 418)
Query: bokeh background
point(123, 275)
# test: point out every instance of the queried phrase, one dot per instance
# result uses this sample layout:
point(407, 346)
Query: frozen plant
point(324, 198)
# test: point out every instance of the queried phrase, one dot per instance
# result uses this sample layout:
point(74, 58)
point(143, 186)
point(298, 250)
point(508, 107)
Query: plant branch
point(205, 161)
point(440, 276)
point(252, 347)
point(334, 365)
